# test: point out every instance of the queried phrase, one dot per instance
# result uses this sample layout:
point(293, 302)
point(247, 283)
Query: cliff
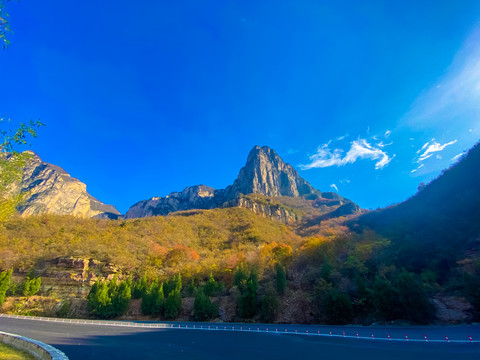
point(48, 189)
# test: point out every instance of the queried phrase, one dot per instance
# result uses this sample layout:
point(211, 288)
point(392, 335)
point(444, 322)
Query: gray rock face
point(267, 174)
point(264, 173)
point(194, 197)
point(279, 213)
point(48, 189)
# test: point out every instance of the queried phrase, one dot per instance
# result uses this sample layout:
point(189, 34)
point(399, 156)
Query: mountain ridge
point(264, 173)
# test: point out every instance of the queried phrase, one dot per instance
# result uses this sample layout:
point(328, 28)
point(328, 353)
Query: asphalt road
point(87, 341)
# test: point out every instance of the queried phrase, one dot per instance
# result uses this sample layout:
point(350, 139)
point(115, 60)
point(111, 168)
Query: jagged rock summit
point(48, 189)
point(264, 173)
point(267, 174)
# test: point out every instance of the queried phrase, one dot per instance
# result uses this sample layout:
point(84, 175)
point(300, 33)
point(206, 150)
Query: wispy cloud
point(430, 148)
point(382, 145)
point(387, 134)
point(456, 157)
point(359, 149)
point(292, 151)
point(418, 168)
point(334, 187)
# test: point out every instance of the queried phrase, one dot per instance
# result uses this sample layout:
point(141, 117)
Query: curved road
point(140, 340)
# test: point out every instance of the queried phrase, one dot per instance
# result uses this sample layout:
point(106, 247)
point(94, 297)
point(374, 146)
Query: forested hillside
point(441, 223)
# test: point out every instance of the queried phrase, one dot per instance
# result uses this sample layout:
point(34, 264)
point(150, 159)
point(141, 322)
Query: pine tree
point(203, 307)
point(270, 305)
point(139, 288)
point(173, 304)
point(281, 279)
point(211, 287)
point(5, 278)
point(31, 286)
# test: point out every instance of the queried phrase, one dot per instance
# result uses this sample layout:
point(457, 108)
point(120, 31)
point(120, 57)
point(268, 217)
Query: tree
point(281, 279)
point(270, 305)
point(173, 304)
point(174, 283)
point(12, 162)
point(211, 287)
point(191, 288)
point(240, 278)
point(5, 278)
point(4, 26)
point(413, 299)
point(247, 303)
point(337, 308)
point(384, 299)
point(139, 288)
point(108, 299)
point(12, 136)
point(153, 300)
point(203, 307)
point(31, 286)
point(121, 298)
point(99, 302)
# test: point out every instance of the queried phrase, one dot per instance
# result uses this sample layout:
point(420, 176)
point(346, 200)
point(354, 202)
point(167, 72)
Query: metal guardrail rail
point(271, 329)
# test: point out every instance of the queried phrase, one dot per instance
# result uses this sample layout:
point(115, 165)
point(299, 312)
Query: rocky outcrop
point(346, 209)
point(48, 189)
point(267, 174)
point(275, 211)
point(264, 173)
point(194, 197)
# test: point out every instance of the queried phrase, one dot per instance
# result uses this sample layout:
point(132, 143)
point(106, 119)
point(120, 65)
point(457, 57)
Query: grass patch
point(9, 353)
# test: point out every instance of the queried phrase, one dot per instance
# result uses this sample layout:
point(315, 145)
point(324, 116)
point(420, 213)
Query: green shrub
point(211, 287)
point(384, 299)
point(270, 306)
point(139, 288)
point(173, 304)
point(337, 308)
point(153, 300)
point(107, 299)
point(31, 286)
point(414, 303)
point(5, 278)
point(281, 279)
point(203, 307)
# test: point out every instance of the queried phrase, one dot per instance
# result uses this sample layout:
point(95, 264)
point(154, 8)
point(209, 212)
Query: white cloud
point(387, 134)
point(418, 168)
point(432, 147)
point(428, 150)
point(456, 157)
point(382, 145)
point(359, 149)
point(334, 187)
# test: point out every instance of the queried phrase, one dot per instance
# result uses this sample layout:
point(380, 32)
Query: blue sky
point(147, 97)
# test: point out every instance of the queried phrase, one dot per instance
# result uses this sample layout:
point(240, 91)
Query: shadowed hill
point(442, 216)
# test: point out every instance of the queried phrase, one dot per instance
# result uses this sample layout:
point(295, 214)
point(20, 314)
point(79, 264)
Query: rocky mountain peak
point(47, 188)
point(267, 174)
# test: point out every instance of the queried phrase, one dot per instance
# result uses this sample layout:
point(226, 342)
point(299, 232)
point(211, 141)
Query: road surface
point(95, 341)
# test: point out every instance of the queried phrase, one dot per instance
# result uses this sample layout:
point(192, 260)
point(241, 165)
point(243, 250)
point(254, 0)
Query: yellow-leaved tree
point(13, 162)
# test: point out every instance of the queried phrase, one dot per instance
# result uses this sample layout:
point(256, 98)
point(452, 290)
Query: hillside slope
point(443, 216)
